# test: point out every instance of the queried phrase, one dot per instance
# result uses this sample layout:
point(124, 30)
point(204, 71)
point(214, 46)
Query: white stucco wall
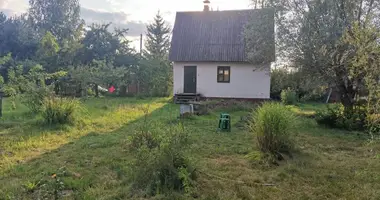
point(246, 81)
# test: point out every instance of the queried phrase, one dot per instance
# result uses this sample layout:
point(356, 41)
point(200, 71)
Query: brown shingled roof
point(212, 36)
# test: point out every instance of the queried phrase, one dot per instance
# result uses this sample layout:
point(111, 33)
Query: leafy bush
point(11, 92)
point(289, 97)
point(35, 97)
point(335, 117)
point(273, 125)
point(160, 165)
point(373, 124)
point(328, 117)
point(354, 122)
point(60, 110)
point(307, 86)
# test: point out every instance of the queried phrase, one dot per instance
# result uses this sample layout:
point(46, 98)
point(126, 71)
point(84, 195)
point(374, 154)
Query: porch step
point(185, 98)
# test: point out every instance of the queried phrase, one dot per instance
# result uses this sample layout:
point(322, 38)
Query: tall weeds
point(289, 97)
point(273, 125)
point(60, 110)
point(160, 164)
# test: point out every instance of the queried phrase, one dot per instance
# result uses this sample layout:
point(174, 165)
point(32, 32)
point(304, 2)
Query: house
point(209, 55)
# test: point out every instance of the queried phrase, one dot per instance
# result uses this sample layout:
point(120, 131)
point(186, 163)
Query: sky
point(131, 14)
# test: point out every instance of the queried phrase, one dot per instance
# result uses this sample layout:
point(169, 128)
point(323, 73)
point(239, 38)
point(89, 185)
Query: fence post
point(1, 104)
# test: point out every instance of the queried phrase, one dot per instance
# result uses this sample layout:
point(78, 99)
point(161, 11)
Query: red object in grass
point(111, 89)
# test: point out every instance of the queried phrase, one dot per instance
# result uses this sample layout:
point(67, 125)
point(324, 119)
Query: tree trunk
point(345, 88)
point(347, 97)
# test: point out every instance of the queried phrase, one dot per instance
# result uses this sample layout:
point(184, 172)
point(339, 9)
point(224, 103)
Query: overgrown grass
point(60, 110)
point(289, 97)
point(274, 127)
point(93, 159)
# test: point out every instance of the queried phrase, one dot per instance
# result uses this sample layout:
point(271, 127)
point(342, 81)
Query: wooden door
point(190, 79)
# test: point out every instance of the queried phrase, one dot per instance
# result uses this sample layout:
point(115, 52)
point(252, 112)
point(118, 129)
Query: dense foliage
point(52, 35)
point(156, 75)
point(335, 117)
point(288, 97)
point(336, 42)
point(306, 86)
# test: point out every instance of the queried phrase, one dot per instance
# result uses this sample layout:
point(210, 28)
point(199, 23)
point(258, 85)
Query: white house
point(210, 59)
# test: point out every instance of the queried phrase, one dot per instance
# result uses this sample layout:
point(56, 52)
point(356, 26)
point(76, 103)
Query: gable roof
point(214, 36)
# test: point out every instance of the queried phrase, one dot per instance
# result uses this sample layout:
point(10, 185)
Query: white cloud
point(3, 3)
point(17, 6)
point(118, 19)
point(145, 9)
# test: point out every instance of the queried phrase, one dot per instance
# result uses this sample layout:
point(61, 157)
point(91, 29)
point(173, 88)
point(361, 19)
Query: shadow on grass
point(98, 162)
point(98, 158)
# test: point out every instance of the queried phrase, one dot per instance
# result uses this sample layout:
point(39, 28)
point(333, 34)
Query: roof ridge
point(216, 11)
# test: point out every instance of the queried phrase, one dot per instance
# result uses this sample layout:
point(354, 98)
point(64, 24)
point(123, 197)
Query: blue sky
point(132, 14)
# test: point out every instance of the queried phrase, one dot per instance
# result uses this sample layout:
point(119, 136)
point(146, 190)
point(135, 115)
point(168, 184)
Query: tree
point(48, 46)
point(154, 72)
point(155, 77)
point(362, 42)
point(262, 3)
point(47, 52)
point(310, 34)
point(61, 18)
point(260, 37)
point(158, 38)
point(102, 44)
point(3, 60)
point(4, 65)
point(17, 37)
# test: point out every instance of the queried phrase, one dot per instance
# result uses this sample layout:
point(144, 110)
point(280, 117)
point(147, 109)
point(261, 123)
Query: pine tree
point(158, 38)
point(155, 68)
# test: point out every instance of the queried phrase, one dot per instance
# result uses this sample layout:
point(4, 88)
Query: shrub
point(35, 97)
point(162, 168)
point(90, 92)
point(60, 110)
point(11, 92)
point(289, 97)
point(353, 121)
point(335, 117)
point(328, 117)
point(373, 124)
point(273, 125)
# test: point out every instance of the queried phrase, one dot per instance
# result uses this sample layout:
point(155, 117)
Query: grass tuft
point(273, 125)
point(289, 97)
point(60, 110)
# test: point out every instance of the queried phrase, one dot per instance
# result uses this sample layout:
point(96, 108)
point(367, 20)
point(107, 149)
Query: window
point(224, 74)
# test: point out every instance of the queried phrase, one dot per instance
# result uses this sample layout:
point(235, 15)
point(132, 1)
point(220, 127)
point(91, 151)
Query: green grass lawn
point(327, 164)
